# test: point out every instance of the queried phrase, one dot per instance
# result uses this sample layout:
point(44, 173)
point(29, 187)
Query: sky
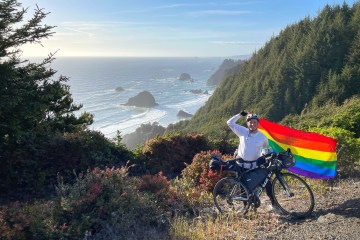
point(166, 28)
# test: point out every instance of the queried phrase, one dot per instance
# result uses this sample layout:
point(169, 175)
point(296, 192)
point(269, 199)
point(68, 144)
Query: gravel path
point(336, 216)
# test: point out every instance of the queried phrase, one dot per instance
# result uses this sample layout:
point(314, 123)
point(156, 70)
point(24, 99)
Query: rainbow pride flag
point(315, 154)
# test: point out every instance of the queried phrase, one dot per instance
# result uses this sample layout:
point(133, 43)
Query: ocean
point(93, 83)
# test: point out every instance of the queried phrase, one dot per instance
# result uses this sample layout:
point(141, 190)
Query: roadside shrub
point(199, 173)
point(105, 203)
point(194, 187)
point(101, 204)
point(28, 221)
point(159, 186)
point(191, 200)
point(168, 154)
point(84, 150)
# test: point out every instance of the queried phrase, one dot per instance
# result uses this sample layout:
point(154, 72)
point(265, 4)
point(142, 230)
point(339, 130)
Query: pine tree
point(30, 100)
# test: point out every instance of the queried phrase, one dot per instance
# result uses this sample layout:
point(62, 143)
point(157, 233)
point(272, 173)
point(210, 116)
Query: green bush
point(101, 204)
point(107, 203)
point(194, 187)
point(168, 154)
point(28, 221)
point(158, 186)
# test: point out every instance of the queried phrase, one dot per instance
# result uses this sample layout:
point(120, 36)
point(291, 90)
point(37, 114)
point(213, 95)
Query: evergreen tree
point(30, 101)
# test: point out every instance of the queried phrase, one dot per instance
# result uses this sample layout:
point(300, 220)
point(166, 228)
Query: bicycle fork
point(284, 185)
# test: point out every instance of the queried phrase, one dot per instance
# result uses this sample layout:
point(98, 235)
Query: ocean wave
point(201, 99)
point(165, 80)
point(130, 124)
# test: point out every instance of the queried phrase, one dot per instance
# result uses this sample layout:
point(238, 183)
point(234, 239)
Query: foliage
point(101, 204)
point(191, 199)
point(348, 116)
point(194, 187)
point(35, 109)
point(105, 203)
point(160, 187)
point(37, 161)
point(28, 221)
point(30, 100)
point(168, 154)
point(198, 173)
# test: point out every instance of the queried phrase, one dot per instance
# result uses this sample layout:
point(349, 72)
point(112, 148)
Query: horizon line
point(104, 56)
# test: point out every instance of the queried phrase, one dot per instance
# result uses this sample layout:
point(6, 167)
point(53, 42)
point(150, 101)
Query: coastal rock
point(185, 77)
point(119, 89)
point(198, 91)
point(143, 99)
point(184, 114)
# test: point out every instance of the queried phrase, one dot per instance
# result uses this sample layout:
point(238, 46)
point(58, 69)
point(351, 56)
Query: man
point(251, 142)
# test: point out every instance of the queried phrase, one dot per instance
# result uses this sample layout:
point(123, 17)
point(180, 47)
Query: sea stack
point(143, 99)
point(185, 77)
point(183, 114)
point(119, 89)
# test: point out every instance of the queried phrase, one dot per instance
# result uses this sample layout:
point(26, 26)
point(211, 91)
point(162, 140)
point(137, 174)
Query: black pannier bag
point(255, 177)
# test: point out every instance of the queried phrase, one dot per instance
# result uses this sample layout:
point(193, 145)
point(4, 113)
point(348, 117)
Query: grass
point(229, 226)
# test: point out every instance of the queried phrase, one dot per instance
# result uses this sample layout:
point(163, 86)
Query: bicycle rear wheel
point(293, 195)
point(231, 195)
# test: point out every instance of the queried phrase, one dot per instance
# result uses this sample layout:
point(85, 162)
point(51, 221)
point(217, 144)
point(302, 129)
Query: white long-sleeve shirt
point(250, 144)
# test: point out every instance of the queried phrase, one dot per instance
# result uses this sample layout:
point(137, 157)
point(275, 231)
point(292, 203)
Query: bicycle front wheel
point(293, 195)
point(231, 195)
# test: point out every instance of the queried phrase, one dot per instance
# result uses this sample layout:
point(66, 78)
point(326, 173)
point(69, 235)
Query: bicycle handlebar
point(269, 161)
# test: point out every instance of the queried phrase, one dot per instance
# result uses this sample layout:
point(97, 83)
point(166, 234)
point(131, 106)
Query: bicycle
point(292, 195)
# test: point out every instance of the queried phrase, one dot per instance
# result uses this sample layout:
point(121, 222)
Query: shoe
point(274, 208)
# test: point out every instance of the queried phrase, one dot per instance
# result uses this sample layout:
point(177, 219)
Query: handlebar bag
point(287, 159)
point(216, 165)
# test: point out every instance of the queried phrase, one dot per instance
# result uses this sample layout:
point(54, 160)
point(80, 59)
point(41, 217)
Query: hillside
point(307, 65)
point(228, 66)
